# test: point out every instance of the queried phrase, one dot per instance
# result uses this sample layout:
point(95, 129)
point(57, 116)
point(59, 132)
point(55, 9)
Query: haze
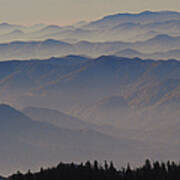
point(65, 12)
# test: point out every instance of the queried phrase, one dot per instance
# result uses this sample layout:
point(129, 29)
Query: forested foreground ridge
point(95, 171)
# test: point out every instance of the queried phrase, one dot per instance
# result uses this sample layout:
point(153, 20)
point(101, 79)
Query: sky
point(64, 12)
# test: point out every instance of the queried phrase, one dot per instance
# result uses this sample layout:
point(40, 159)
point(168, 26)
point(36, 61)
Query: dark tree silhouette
point(94, 171)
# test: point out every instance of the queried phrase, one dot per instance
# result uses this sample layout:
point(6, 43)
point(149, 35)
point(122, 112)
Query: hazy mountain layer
point(122, 27)
point(108, 107)
point(152, 35)
point(28, 144)
point(160, 46)
point(56, 118)
point(103, 102)
point(74, 76)
point(91, 89)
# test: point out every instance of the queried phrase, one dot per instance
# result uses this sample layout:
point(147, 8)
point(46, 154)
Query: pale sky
point(65, 12)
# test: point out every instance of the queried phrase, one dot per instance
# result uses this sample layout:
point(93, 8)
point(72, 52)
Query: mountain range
point(116, 27)
point(69, 74)
point(147, 35)
point(107, 90)
point(160, 47)
point(119, 97)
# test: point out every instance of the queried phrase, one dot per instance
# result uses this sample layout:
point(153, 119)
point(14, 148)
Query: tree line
point(107, 171)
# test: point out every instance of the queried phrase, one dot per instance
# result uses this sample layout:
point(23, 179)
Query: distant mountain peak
point(49, 28)
point(6, 106)
point(140, 17)
point(8, 112)
point(6, 25)
point(53, 41)
point(17, 31)
point(161, 37)
point(53, 26)
point(147, 12)
point(102, 58)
